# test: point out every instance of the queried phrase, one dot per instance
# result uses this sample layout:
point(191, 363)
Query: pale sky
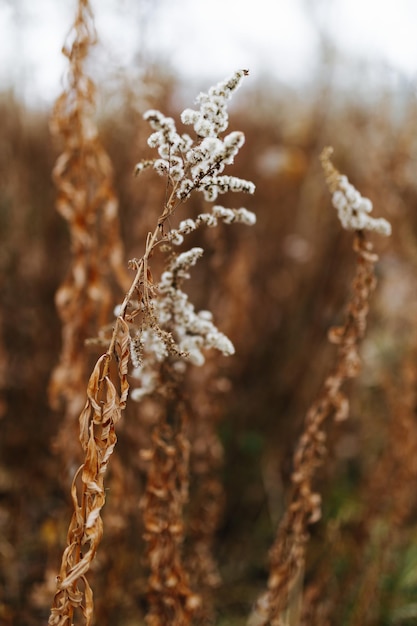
point(205, 38)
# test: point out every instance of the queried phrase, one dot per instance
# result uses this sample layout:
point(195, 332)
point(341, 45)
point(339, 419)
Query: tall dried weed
point(168, 334)
point(282, 602)
point(86, 200)
point(174, 528)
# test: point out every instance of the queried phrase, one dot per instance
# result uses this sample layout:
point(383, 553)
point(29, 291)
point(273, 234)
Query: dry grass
point(204, 471)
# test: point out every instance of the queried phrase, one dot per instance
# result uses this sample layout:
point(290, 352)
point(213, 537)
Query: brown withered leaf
point(123, 354)
point(91, 406)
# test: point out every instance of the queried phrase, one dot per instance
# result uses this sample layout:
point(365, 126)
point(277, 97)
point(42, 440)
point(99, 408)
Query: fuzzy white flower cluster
point(353, 209)
point(196, 165)
point(219, 213)
point(191, 332)
point(214, 185)
point(212, 117)
point(171, 328)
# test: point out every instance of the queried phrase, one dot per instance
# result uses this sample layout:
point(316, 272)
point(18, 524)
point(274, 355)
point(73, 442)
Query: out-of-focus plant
point(282, 602)
point(87, 201)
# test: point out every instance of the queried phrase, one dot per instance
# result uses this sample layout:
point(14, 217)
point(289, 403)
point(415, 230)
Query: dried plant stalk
point(288, 552)
point(171, 600)
point(86, 200)
point(287, 556)
point(163, 316)
point(98, 438)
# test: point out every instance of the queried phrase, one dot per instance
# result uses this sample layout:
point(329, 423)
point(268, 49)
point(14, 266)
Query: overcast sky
point(199, 38)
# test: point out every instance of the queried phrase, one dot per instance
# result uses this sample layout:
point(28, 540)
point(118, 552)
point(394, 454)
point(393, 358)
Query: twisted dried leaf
point(123, 355)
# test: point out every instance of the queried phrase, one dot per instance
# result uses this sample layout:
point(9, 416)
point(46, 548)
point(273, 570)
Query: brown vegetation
point(204, 470)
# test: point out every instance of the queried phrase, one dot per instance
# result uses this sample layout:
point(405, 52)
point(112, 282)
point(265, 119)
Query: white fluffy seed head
point(354, 210)
point(174, 329)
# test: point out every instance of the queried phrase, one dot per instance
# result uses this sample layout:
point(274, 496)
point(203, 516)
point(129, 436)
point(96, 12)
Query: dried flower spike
point(353, 210)
point(288, 552)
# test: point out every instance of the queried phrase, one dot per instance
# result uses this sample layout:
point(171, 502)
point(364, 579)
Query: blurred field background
point(275, 289)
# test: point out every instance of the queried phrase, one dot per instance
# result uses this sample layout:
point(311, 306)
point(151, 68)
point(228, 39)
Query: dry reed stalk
point(287, 557)
point(97, 421)
point(101, 413)
point(86, 200)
